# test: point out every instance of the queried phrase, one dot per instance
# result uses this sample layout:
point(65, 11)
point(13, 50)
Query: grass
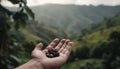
point(29, 36)
point(24, 58)
point(100, 36)
point(95, 38)
point(83, 63)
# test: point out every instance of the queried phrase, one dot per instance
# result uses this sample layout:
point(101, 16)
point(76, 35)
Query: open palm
point(63, 47)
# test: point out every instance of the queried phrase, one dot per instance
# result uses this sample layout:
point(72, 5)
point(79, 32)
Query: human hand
point(63, 47)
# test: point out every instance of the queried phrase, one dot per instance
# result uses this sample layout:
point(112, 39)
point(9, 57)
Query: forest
point(95, 32)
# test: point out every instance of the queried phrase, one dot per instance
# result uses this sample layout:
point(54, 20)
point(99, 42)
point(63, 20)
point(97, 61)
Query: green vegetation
point(96, 42)
point(81, 64)
point(10, 37)
point(95, 37)
point(98, 49)
point(29, 36)
point(73, 18)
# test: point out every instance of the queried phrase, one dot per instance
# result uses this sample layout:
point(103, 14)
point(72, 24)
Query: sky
point(77, 2)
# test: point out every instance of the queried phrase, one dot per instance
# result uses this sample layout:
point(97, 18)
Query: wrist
point(32, 64)
point(36, 64)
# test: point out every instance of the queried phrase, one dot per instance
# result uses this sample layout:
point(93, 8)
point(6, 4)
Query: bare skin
point(41, 61)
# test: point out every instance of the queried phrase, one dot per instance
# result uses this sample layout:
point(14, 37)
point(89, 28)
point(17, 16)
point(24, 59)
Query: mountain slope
point(73, 18)
point(100, 33)
point(97, 43)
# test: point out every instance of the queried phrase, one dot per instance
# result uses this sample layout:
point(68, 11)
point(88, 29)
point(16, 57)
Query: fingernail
point(56, 39)
point(71, 43)
point(63, 40)
point(67, 41)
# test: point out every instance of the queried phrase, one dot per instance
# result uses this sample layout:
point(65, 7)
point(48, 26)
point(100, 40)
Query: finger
point(60, 44)
point(52, 44)
point(68, 48)
point(64, 45)
point(39, 46)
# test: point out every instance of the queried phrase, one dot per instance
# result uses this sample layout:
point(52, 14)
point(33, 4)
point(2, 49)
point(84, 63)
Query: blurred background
point(93, 26)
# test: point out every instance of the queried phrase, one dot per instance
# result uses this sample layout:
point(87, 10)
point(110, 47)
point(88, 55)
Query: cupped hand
point(63, 47)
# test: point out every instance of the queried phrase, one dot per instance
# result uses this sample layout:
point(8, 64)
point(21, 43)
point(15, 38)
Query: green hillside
point(38, 32)
point(94, 50)
point(73, 18)
point(95, 38)
point(80, 64)
point(92, 41)
point(100, 33)
point(43, 32)
point(29, 36)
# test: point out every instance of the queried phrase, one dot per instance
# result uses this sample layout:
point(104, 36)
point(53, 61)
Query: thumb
point(39, 46)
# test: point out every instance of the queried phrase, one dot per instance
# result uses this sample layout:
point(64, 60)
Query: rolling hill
point(67, 20)
point(98, 41)
point(100, 33)
point(73, 18)
point(57, 20)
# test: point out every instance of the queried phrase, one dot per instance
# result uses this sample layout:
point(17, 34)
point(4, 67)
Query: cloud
point(52, 1)
point(78, 2)
point(98, 2)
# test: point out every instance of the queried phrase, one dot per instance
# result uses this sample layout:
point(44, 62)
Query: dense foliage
point(73, 18)
point(8, 41)
point(96, 47)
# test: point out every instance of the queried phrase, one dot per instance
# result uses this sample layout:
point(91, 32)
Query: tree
point(7, 43)
point(98, 50)
point(112, 51)
point(83, 52)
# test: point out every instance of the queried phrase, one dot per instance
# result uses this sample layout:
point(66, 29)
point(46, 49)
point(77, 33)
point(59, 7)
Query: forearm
point(32, 64)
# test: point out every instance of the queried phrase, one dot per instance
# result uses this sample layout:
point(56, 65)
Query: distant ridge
point(73, 18)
